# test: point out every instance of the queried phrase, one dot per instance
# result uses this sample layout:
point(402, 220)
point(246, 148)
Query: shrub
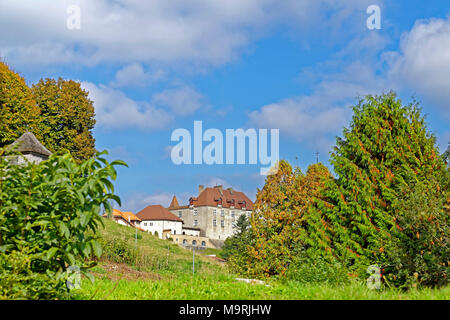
point(307, 269)
point(419, 254)
point(49, 215)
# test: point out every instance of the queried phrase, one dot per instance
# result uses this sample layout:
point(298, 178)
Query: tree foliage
point(67, 117)
point(49, 214)
point(235, 248)
point(58, 112)
point(387, 205)
point(281, 221)
point(386, 149)
point(18, 110)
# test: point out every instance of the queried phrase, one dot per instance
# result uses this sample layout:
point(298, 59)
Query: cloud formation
point(423, 62)
point(129, 31)
point(115, 110)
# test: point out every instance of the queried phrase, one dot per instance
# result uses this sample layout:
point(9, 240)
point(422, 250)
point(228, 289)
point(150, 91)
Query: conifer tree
point(386, 147)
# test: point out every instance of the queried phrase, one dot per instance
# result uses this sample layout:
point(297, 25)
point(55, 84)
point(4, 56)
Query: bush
point(118, 250)
point(49, 215)
point(418, 254)
point(306, 269)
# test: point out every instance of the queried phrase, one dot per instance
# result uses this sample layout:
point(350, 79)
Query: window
point(249, 214)
point(195, 212)
point(203, 244)
point(222, 223)
point(150, 224)
point(222, 213)
point(145, 224)
point(184, 242)
point(194, 242)
point(195, 223)
point(214, 211)
point(180, 214)
point(232, 215)
point(174, 231)
point(214, 222)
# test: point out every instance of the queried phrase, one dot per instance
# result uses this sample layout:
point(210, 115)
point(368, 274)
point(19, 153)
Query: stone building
point(214, 211)
point(30, 148)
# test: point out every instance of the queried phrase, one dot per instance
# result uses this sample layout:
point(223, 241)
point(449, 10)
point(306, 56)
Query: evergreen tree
point(385, 148)
point(235, 248)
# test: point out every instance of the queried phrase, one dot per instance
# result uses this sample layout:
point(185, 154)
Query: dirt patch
point(116, 271)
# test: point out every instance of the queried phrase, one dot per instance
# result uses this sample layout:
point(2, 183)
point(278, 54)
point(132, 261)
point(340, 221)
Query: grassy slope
point(152, 273)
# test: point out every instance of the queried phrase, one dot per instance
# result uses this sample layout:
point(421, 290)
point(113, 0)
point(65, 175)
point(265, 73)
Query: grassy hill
point(157, 269)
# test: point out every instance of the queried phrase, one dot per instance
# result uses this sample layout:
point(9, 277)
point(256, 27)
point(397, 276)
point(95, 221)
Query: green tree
point(18, 110)
point(385, 148)
point(49, 215)
point(235, 248)
point(67, 117)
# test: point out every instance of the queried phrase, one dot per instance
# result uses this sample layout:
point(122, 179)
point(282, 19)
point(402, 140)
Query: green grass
point(155, 275)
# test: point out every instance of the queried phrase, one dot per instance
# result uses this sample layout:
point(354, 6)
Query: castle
point(206, 221)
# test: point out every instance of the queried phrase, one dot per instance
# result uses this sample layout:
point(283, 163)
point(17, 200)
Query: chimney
point(220, 187)
point(231, 190)
point(200, 189)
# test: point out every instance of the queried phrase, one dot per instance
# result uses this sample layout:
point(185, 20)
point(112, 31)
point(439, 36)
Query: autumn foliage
point(280, 221)
point(58, 112)
point(387, 204)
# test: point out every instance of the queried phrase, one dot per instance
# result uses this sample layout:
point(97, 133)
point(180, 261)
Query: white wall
point(160, 225)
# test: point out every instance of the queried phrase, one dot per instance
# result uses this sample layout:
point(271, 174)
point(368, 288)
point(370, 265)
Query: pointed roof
point(157, 212)
point(28, 143)
point(174, 203)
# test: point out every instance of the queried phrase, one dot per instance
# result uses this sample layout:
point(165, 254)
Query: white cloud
point(115, 110)
point(310, 118)
point(423, 62)
point(201, 31)
point(443, 141)
point(134, 75)
point(139, 201)
point(182, 100)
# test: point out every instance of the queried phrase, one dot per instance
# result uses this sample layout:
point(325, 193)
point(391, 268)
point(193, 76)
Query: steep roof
point(227, 197)
point(157, 212)
point(28, 143)
point(174, 203)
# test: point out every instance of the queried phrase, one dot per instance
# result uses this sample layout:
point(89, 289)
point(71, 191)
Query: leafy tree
point(49, 215)
point(18, 110)
point(385, 148)
point(67, 117)
point(281, 223)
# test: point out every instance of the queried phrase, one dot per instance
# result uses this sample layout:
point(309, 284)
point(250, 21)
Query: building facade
point(159, 220)
point(214, 211)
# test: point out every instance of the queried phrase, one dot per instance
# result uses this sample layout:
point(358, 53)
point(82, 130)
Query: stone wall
point(214, 222)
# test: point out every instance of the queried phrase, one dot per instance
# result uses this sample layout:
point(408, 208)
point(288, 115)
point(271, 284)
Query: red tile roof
point(157, 212)
point(226, 197)
point(124, 215)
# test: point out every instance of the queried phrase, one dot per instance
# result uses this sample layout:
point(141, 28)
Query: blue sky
point(298, 65)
